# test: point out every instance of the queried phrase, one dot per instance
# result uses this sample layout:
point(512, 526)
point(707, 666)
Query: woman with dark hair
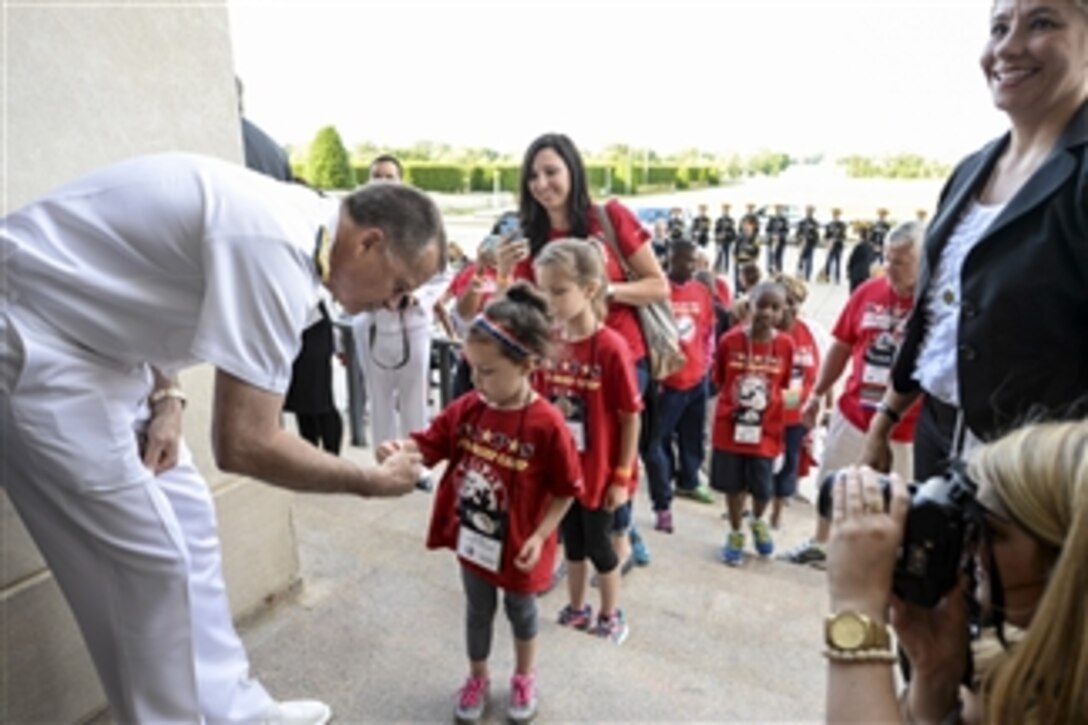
point(554, 203)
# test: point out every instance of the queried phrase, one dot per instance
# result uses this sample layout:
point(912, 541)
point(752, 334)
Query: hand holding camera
point(925, 534)
point(868, 513)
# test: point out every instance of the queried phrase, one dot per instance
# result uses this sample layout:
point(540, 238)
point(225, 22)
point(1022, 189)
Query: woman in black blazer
point(1013, 222)
point(998, 335)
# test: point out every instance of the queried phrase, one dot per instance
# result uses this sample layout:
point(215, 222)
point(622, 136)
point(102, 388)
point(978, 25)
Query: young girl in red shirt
point(751, 369)
point(512, 471)
point(591, 380)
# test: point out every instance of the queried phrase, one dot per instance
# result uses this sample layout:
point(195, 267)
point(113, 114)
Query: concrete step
point(376, 629)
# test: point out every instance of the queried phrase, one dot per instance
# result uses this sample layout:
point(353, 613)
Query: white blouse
point(935, 368)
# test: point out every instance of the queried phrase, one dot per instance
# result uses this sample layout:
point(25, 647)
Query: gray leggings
point(481, 600)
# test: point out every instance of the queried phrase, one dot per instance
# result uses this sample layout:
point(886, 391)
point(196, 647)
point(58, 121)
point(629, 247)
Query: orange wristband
point(622, 473)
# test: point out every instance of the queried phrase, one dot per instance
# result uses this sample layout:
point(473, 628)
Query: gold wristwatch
point(850, 631)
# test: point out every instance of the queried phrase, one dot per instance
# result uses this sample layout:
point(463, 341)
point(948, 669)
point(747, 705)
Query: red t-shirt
point(504, 467)
point(693, 308)
point(630, 236)
point(873, 324)
point(751, 376)
point(806, 364)
point(591, 381)
point(722, 292)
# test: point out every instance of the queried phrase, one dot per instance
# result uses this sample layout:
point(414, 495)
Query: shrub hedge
point(624, 179)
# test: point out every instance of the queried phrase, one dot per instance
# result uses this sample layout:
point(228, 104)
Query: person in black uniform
point(700, 227)
point(750, 217)
point(660, 242)
point(859, 265)
point(309, 394)
point(877, 232)
point(808, 234)
point(725, 233)
point(835, 233)
point(262, 153)
point(778, 229)
point(676, 224)
point(747, 247)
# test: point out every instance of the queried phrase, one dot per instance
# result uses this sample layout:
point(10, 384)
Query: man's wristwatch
point(850, 631)
point(887, 410)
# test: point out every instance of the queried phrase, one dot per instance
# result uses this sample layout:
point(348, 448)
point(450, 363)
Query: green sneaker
point(703, 494)
point(761, 536)
point(733, 551)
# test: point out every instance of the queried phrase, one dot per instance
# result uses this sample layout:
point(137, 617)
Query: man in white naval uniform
point(110, 285)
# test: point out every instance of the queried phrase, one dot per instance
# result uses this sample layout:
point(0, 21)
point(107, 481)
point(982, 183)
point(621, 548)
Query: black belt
point(949, 421)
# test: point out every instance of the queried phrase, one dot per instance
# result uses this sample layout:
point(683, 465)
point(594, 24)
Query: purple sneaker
point(579, 619)
point(612, 627)
point(663, 521)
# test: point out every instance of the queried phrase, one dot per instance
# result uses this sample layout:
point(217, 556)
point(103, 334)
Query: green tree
point(327, 165)
point(365, 152)
point(768, 163)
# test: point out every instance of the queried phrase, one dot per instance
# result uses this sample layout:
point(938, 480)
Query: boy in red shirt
point(682, 402)
point(751, 369)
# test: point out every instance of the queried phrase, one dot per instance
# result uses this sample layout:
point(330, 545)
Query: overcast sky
point(807, 76)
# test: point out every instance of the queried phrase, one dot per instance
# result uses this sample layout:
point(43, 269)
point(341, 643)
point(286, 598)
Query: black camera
point(942, 523)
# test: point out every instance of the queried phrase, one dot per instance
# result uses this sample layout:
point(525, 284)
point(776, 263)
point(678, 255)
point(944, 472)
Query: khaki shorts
point(845, 444)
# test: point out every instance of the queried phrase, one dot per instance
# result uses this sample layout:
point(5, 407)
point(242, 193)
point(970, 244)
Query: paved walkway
point(376, 627)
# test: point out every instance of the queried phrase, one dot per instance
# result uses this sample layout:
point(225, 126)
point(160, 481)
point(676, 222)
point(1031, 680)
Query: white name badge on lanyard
point(748, 434)
point(483, 551)
point(875, 375)
point(577, 430)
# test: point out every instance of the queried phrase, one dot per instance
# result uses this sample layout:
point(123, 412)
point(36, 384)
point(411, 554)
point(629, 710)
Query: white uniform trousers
point(397, 395)
point(136, 555)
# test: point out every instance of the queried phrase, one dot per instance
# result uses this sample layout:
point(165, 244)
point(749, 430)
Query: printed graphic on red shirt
point(591, 382)
point(693, 309)
point(505, 466)
point(751, 376)
point(873, 324)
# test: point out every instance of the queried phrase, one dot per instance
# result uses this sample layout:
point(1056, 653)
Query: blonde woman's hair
point(795, 287)
point(1040, 474)
point(583, 261)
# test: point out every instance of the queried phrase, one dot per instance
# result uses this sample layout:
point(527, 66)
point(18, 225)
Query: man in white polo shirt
point(111, 285)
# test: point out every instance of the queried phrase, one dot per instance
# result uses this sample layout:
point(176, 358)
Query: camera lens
point(823, 500)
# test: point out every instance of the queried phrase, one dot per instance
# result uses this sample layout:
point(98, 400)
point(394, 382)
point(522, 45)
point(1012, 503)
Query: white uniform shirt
point(935, 368)
point(418, 316)
point(173, 259)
